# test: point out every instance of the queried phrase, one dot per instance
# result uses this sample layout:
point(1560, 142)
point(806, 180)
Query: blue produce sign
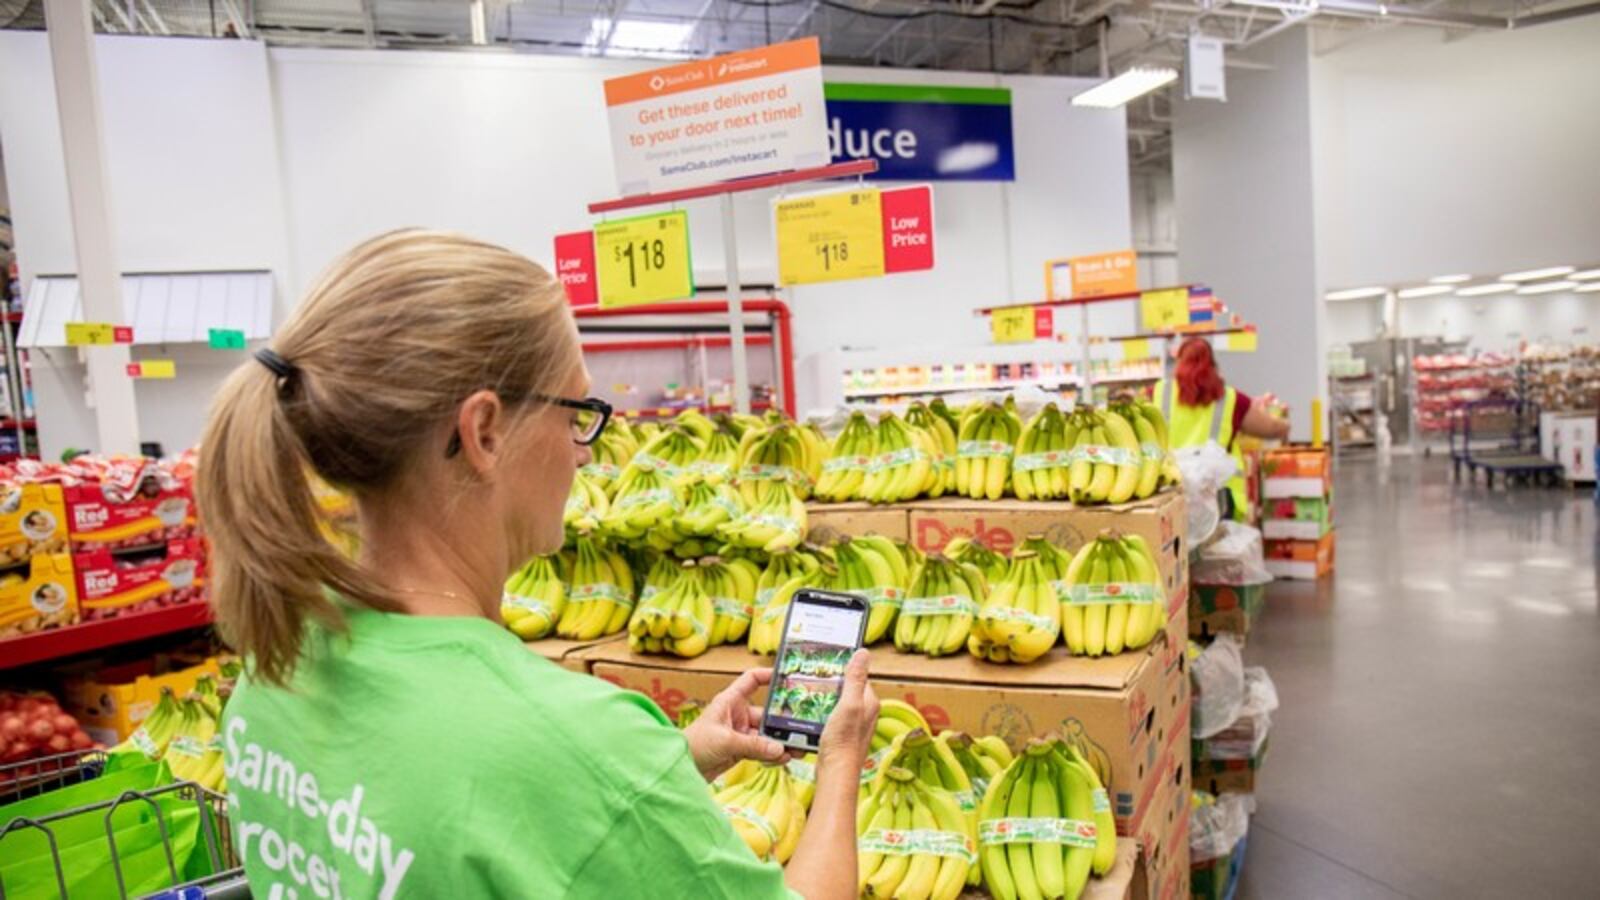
point(923, 132)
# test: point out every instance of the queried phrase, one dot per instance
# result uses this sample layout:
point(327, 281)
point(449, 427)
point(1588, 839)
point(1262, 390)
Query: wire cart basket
point(21, 781)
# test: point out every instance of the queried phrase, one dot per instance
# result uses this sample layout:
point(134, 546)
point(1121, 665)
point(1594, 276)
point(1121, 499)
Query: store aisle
point(1438, 722)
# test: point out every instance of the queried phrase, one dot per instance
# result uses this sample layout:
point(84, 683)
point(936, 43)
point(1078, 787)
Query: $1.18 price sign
point(1164, 310)
point(830, 237)
point(643, 259)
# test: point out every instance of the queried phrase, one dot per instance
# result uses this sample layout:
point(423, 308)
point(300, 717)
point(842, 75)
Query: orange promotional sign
point(734, 116)
point(1103, 274)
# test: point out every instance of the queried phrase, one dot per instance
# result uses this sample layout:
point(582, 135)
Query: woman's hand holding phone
point(729, 728)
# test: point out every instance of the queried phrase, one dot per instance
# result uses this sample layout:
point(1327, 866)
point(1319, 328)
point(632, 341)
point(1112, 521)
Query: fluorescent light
point(1129, 85)
point(1585, 275)
point(1482, 290)
point(1449, 279)
point(1536, 274)
point(1548, 287)
point(1355, 293)
point(1429, 291)
point(1587, 287)
point(637, 37)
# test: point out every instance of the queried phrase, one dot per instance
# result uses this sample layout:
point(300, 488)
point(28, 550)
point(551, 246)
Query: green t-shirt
point(437, 757)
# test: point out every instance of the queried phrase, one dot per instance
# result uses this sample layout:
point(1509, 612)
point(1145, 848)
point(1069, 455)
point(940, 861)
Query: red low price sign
point(575, 268)
point(907, 229)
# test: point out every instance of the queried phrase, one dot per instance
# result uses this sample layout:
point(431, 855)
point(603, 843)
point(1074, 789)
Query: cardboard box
point(1125, 881)
point(1003, 524)
point(830, 521)
point(1217, 609)
point(1128, 706)
point(1304, 560)
point(1296, 472)
point(110, 704)
point(1163, 836)
point(1216, 879)
point(1238, 776)
point(1301, 509)
point(1294, 530)
point(33, 520)
point(99, 519)
point(565, 653)
point(40, 594)
point(110, 586)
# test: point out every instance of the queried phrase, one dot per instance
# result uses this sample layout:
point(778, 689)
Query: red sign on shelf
point(575, 267)
point(907, 229)
point(1044, 323)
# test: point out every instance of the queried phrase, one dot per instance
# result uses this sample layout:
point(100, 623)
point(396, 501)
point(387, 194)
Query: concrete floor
point(1440, 724)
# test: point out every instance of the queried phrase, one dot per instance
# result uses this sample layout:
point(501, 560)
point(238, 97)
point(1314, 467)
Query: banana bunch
point(971, 550)
point(872, 567)
point(672, 451)
point(155, 732)
point(984, 447)
point(616, 445)
point(677, 620)
point(206, 694)
point(778, 455)
point(848, 458)
point(919, 415)
point(534, 599)
point(1040, 831)
point(767, 628)
point(731, 583)
point(983, 759)
point(1021, 618)
point(913, 840)
point(774, 523)
point(896, 719)
point(195, 751)
point(1107, 463)
point(1044, 455)
point(586, 504)
point(937, 618)
point(644, 498)
point(706, 505)
point(719, 458)
point(695, 421)
point(767, 806)
point(934, 762)
point(599, 592)
point(903, 469)
point(1075, 737)
point(1113, 598)
point(688, 711)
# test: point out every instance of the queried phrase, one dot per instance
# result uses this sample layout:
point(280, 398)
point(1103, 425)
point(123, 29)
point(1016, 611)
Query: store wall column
point(1242, 179)
point(72, 59)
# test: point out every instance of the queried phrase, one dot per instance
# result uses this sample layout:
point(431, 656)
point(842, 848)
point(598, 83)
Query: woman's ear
point(481, 424)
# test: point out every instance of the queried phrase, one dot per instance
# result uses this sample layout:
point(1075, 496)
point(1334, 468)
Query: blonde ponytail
point(382, 351)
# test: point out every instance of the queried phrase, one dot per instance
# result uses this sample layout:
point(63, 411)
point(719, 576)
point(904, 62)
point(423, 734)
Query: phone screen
point(820, 634)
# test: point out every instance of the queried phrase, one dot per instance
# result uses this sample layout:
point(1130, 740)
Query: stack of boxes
point(37, 590)
point(1297, 492)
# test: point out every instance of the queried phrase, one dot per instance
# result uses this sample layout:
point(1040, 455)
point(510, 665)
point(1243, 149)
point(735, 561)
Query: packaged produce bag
point(1234, 556)
point(1216, 828)
point(1218, 674)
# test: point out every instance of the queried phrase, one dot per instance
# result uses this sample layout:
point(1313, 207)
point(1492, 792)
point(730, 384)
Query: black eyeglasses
point(589, 419)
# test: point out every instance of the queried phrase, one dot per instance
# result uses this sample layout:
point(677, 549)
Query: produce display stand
point(71, 640)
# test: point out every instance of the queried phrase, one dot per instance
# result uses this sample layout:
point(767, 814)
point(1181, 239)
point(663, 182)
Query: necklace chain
point(423, 592)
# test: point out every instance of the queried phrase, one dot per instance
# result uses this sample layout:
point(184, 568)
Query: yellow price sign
point(1164, 310)
point(1012, 325)
point(83, 334)
point(644, 259)
point(153, 368)
point(829, 237)
point(1137, 348)
point(1241, 342)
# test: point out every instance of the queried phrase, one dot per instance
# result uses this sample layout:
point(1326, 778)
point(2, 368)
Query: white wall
point(193, 177)
point(1242, 177)
point(1155, 227)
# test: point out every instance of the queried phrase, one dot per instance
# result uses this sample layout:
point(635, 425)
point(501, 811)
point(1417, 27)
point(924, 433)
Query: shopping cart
point(21, 781)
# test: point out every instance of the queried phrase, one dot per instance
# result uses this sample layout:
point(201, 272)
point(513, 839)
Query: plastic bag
point(1206, 469)
point(1216, 828)
point(1247, 734)
point(1233, 557)
point(1218, 674)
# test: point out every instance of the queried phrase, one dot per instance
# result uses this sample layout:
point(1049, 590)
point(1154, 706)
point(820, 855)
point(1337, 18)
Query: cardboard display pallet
point(1217, 609)
point(566, 654)
point(1125, 881)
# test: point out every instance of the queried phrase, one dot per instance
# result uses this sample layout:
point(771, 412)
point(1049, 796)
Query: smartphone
point(821, 632)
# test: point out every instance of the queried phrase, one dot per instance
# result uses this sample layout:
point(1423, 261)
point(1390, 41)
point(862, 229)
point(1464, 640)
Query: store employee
point(391, 738)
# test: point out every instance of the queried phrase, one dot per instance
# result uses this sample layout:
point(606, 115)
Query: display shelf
point(667, 412)
point(71, 640)
point(14, 423)
point(1084, 301)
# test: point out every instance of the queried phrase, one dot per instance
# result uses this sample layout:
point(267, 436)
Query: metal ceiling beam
point(1555, 15)
point(804, 19)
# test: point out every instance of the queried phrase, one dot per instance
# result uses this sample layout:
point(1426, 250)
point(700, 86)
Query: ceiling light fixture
point(638, 37)
point(1129, 85)
point(1355, 293)
point(1585, 275)
point(1449, 279)
point(1548, 287)
point(1428, 291)
point(1483, 290)
point(1536, 274)
point(1587, 287)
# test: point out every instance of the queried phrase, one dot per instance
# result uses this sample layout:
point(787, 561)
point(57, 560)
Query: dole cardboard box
point(830, 521)
point(1110, 705)
point(1002, 525)
point(1163, 836)
point(565, 653)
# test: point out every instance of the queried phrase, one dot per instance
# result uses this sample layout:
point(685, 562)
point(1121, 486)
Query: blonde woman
point(391, 737)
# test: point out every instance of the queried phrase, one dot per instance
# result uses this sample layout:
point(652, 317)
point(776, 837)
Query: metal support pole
point(1086, 379)
point(730, 256)
point(72, 59)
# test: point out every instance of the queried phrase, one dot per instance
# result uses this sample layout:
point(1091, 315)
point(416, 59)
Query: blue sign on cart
point(923, 132)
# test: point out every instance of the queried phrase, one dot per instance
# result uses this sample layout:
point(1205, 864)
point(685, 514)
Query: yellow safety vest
point(1192, 426)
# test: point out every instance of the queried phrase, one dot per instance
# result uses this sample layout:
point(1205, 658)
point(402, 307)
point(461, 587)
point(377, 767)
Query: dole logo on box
point(933, 534)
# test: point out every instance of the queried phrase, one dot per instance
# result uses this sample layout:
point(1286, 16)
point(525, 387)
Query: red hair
point(1199, 382)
